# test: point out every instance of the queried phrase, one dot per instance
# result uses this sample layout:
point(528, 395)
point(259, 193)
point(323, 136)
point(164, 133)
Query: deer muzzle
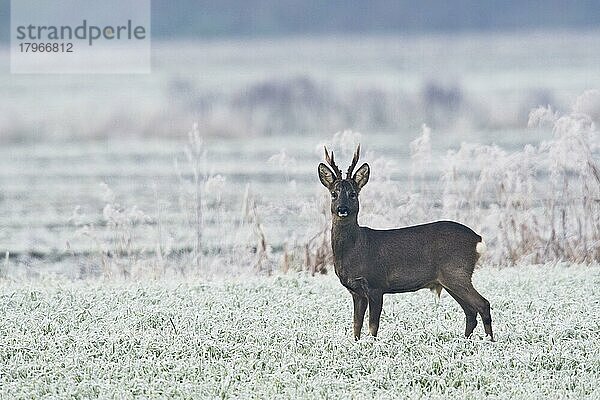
point(342, 211)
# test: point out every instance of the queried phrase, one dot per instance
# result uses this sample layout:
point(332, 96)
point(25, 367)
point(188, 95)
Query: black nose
point(342, 210)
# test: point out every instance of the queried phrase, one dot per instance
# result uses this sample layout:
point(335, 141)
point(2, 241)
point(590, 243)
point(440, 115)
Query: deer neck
point(344, 234)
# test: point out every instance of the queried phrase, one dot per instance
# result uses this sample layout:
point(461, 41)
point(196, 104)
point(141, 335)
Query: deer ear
point(361, 176)
point(326, 176)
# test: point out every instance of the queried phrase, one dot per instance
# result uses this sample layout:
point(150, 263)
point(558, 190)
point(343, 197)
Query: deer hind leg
point(486, 315)
point(467, 293)
point(360, 306)
point(375, 307)
point(470, 314)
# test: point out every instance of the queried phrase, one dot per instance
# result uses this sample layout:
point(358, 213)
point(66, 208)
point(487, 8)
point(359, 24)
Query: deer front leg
point(375, 306)
point(360, 306)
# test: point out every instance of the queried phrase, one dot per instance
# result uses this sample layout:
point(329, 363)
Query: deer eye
point(333, 195)
point(352, 195)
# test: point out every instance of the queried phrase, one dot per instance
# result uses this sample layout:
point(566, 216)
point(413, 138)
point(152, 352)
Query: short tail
point(481, 247)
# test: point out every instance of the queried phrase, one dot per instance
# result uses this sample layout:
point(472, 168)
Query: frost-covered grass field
point(289, 337)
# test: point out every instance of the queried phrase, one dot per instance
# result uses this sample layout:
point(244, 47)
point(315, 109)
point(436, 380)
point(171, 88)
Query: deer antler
point(331, 162)
point(354, 161)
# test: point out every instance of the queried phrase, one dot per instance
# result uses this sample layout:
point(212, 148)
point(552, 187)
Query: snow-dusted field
point(289, 337)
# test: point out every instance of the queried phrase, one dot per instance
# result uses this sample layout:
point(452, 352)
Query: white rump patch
point(481, 247)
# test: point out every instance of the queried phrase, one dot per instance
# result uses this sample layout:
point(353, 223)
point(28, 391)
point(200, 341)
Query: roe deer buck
point(371, 263)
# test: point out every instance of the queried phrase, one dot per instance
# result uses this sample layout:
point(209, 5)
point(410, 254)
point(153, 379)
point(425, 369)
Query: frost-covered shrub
point(537, 204)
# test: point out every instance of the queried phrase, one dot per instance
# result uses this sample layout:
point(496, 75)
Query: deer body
point(371, 263)
point(401, 260)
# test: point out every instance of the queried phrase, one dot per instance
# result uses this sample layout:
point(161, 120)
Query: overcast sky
point(200, 19)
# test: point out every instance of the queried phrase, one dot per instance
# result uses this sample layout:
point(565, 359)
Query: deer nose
point(342, 211)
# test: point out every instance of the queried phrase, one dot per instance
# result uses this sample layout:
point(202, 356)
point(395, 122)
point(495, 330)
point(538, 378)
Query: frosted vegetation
point(202, 216)
point(290, 337)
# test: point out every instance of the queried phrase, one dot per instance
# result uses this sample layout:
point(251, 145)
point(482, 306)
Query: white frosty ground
point(290, 337)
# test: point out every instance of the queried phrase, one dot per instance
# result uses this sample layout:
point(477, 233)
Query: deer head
point(344, 192)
